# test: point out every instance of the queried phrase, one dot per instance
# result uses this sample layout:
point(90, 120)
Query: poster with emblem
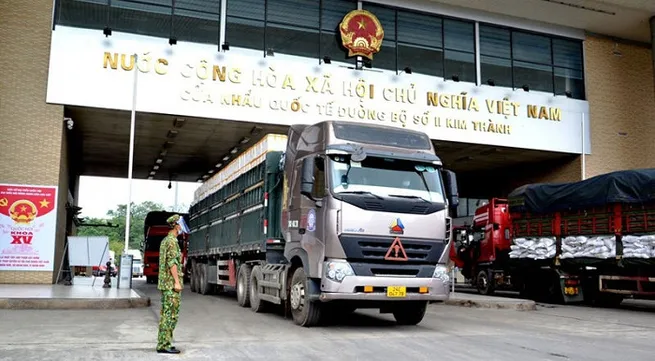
point(28, 221)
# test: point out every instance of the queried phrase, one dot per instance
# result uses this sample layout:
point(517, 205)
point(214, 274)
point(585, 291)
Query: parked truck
point(332, 217)
point(155, 229)
point(591, 241)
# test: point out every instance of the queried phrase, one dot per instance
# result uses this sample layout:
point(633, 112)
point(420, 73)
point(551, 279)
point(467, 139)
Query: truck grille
point(374, 248)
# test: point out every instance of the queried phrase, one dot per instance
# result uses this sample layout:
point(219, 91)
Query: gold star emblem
point(44, 203)
point(23, 209)
point(361, 23)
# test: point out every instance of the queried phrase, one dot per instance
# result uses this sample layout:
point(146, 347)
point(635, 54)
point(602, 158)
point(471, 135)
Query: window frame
point(551, 65)
point(443, 19)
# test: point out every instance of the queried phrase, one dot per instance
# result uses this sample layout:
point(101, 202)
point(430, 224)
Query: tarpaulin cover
point(629, 186)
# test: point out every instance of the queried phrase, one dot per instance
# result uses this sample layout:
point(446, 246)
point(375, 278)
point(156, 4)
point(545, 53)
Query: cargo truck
point(332, 217)
point(591, 241)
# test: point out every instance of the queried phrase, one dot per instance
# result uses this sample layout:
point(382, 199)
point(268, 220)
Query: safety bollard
point(107, 276)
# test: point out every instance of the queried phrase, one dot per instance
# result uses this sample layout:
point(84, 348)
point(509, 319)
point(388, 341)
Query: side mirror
point(307, 177)
point(450, 181)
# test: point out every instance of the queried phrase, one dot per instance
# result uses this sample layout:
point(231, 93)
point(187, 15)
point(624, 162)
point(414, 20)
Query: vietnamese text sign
point(28, 220)
point(195, 80)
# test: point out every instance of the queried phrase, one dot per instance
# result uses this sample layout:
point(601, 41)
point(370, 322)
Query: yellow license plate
point(396, 291)
point(570, 291)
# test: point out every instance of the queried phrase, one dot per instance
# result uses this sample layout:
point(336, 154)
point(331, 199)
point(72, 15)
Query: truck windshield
point(386, 177)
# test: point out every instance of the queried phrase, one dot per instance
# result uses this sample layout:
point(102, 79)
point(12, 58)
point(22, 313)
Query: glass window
point(532, 55)
point(567, 54)
point(143, 17)
point(245, 24)
point(386, 57)
point(420, 43)
point(300, 13)
point(318, 190)
point(495, 42)
point(496, 71)
point(197, 21)
point(332, 12)
point(419, 29)
point(569, 81)
point(459, 35)
point(459, 64)
point(292, 27)
point(385, 177)
point(535, 76)
point(459, 53)
point(531, 48)
point(83, 14)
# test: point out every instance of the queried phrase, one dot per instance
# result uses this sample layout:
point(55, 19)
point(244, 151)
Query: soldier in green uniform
point(170, 283)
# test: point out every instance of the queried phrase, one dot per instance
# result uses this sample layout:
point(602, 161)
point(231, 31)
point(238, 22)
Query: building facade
point(461, 74)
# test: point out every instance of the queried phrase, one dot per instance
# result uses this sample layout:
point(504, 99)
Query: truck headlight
point(441, 273)
point(337, 270)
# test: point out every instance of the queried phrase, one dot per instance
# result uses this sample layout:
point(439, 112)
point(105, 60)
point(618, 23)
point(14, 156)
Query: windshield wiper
point(409, 197)
point(362, 192)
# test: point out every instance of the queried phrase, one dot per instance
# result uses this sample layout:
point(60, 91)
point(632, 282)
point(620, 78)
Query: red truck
point(155, 229)
point(590, 241)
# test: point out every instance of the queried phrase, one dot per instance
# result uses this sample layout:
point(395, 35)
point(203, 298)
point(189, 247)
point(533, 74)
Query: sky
point(99, 194)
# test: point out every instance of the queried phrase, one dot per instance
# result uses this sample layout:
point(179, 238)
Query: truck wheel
point(305, 313)
point(205, 287)
point(256, 304)
point(243, 285)
point(410, 313)
point(484, 283)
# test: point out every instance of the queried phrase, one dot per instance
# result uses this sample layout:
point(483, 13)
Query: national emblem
point(23, 211)
point(361, 33)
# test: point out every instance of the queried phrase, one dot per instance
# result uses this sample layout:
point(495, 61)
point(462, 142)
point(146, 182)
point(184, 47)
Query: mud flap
point(313, 289)
point(570, 286)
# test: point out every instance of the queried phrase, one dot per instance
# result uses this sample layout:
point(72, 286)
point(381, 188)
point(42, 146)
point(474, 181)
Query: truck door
point(306, 213)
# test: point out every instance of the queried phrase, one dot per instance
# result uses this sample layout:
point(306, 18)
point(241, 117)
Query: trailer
point(332, 217)
point(591, 241)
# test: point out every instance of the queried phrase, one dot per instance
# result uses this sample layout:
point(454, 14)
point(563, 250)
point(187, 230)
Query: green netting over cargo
point(234, 214)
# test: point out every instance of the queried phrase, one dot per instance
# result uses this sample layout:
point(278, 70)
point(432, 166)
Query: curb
point(518, 305)
point(74, 303)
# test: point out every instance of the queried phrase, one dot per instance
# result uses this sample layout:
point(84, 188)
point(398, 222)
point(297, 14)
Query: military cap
point(172, 220)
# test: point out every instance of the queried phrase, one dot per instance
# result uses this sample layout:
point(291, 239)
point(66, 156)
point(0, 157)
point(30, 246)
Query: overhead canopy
point(629, 186)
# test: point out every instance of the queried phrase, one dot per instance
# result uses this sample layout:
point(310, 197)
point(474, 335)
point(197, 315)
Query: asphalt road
point(216, 328)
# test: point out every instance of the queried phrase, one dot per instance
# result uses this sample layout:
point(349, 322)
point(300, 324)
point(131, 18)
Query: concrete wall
point(31, 129)
point(622, 106)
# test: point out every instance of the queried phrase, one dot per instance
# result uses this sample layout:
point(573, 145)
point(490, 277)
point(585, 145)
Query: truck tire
point(243, 285)
point(484, 283)
point(205, 287)
point(305, 313)
point(256, 304)
point(410, 313)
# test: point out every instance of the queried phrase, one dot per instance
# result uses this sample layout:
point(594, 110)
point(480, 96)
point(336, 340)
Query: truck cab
point(155, 229)
point(366, 213)
point(481, 247)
